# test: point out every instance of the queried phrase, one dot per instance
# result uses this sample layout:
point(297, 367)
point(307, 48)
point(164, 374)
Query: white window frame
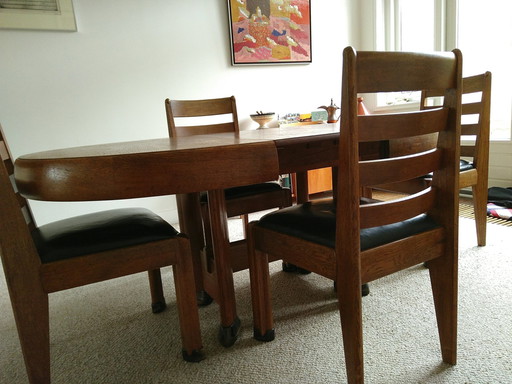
point(385, 35)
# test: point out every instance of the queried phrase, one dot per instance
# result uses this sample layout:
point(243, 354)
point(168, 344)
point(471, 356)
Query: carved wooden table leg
point(189, 213)
point(230, 323)
point(302, 196)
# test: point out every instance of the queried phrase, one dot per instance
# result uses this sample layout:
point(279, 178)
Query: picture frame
point(270, 32)
point(56, 15)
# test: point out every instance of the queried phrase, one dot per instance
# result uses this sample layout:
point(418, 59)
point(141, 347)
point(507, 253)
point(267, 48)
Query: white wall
point(500, 164)
point(107, 82)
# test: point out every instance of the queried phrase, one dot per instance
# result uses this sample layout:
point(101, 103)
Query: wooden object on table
point(331, 112)
point(240, 201)
point(83, 250)
point(353, 243)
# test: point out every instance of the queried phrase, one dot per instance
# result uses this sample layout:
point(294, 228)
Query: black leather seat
point(98, 232)
point(247, 190)
point(315, 221)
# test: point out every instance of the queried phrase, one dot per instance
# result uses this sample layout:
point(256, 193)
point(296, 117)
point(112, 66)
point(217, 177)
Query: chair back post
point(234, 113)
point(21, 264)
point(446, 180)
point(480, 149)
point(170, 118)
point(17, 248)
point(481, 158)
point(349, 222)
point(348, 267)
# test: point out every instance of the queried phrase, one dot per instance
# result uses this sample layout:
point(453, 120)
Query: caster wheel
point(158, 307)
point(194, 357)
point(365, 289)
point(292, 268)
point(268, 336)
point(228, 335)
point(203, 299)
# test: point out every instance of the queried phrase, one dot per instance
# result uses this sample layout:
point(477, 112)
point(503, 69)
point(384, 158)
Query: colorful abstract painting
point(270, 31)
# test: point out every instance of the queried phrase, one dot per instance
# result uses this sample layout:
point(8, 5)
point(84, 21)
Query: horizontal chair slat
point(182, 108)
point(471, 108)
point(384, 171)
point(467, 151)
point(203, 129)
point(382, 261)
point(387, 212)
point(395, 72)
point(469, 129)
point(473, 84)
point(393, 126)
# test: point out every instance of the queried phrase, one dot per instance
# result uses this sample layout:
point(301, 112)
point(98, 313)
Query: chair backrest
point(371, 72)
point(17, 250)
point(475, 119)
point(181, 111)
point(9, 169)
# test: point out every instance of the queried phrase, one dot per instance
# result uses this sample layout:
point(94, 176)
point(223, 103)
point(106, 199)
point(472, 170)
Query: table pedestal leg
point(189, 213)
point(230, 323)
point(302, 196)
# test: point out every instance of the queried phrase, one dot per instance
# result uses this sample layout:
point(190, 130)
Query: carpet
point(106, 333)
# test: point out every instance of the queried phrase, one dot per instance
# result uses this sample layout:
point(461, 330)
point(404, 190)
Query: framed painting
point(270, 31)
point(55, 15)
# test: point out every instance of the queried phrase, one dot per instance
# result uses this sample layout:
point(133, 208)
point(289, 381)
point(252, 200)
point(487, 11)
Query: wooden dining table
point(184, 166)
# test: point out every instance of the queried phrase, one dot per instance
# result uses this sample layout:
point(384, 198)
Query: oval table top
point(163, 166)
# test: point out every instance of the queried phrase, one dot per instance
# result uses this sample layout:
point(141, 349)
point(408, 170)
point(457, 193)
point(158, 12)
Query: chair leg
point(443, 277)
point(245, 224)
point(33, 326)
point(183, 271)
point(350, 306)
point(260, 293)
point(208, 242)
point(480, 207)
point(157, 292)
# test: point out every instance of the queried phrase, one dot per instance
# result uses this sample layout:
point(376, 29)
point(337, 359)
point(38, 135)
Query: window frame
point(385, 36)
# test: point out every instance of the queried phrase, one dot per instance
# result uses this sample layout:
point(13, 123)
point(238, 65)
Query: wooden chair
point(83, 250)
point(475, 134)
point(353, 243)
point(218, 116)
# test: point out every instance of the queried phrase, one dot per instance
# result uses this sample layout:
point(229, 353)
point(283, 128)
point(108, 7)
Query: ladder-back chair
point(82, 250)
point(475, 135)
point(218, 116)
point(354, 243)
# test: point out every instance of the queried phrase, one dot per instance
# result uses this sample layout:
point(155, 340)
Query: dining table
point(184, 167)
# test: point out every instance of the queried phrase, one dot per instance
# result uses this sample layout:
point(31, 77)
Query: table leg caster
point(203, 299)
point(268, 336)
point(365, 289)
point(292, 268)
point(228, 335)
point(194, 357)
point(158, 306)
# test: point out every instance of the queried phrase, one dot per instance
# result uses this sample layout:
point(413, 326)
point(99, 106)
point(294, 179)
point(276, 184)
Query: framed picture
point(270, 31)
point(57, 15)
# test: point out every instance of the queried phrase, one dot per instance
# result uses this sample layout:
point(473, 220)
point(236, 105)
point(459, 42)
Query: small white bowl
point(263, 118)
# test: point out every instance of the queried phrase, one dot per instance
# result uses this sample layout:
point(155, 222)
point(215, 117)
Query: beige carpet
point(105, 333)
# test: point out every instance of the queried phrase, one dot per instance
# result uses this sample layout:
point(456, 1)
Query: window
point(482, 31)
point(485, 39)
